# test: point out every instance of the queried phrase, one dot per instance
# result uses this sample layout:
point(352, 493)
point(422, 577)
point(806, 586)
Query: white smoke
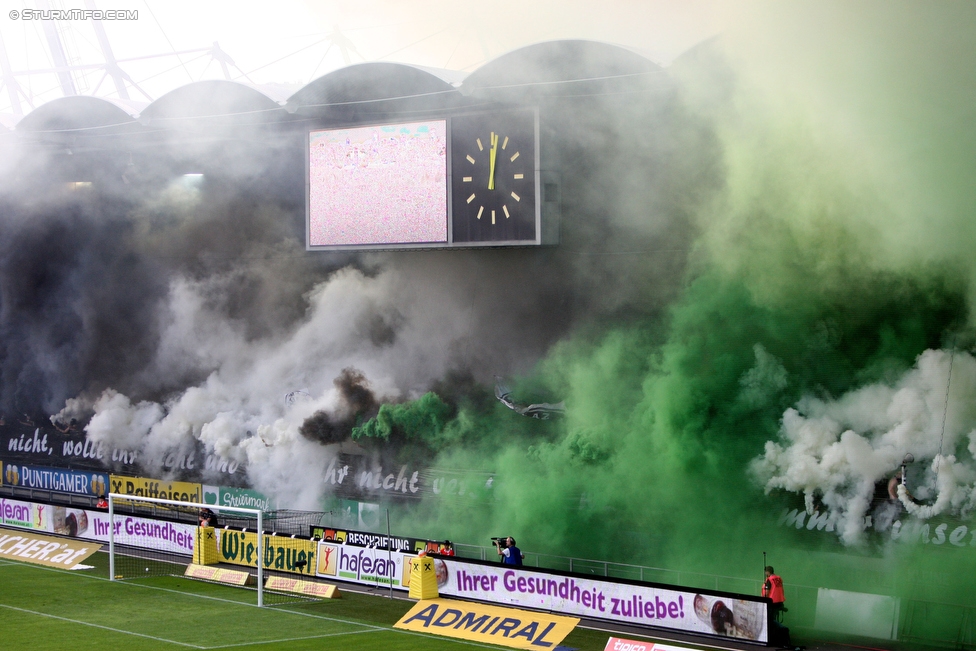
point(240, 411)
point(835, 452)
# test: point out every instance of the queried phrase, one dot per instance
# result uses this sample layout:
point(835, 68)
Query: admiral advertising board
point(518, 629)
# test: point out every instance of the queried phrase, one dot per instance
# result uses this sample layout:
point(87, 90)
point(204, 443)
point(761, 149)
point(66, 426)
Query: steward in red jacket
point(773, 589)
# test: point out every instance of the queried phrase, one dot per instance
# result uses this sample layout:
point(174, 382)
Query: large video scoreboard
point(470, 180)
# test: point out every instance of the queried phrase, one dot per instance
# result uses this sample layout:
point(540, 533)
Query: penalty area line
point(106, 628)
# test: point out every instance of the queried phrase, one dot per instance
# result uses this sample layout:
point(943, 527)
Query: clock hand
point(491, 161)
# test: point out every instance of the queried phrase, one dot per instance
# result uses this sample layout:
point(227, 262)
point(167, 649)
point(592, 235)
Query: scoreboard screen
point(378, 185)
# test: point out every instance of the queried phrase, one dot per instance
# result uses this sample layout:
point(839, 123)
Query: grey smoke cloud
point(199, 291)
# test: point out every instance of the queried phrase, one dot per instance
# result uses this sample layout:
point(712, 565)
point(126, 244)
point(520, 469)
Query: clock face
point(493, 167)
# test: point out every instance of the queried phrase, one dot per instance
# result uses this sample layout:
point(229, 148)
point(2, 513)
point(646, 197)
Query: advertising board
point(43, 550)
point(518, 629)
point(280, 552)
point(237, 497)
point(364, 565)
point(625, 603)
point(53, 479)
point(155, 488)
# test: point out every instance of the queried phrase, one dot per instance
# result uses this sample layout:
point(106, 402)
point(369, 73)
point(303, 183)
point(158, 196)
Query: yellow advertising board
point(310, 588)
point(209, 573)
point(45, 550)
point(279, 553)
point(181, 491)
point(518, 629)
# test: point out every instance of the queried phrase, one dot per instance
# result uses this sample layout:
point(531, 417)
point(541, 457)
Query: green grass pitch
point(45, 609)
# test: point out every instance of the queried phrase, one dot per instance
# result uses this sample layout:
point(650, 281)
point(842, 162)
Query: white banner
point(94, 525)
point(636, 605)
point(364, 565)
point(159, 535)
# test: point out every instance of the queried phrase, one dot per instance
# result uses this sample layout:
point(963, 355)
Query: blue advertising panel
point(80, 482)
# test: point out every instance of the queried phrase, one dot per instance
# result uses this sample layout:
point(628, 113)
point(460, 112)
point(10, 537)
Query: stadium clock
point(494, 177)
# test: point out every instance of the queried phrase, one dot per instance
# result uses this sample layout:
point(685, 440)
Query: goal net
point(152, 537)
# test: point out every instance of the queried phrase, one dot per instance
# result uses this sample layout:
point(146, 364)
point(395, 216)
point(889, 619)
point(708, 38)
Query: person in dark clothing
point(207, 518)
point(511, 555)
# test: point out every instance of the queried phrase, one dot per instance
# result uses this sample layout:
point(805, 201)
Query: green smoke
point(836, 249)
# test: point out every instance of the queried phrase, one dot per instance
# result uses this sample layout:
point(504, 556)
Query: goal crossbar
point(176, 504)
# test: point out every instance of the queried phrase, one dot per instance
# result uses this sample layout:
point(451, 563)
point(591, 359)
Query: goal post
point(134, 539)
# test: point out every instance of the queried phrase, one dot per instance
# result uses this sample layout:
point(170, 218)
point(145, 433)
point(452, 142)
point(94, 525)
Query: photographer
point(511, 555)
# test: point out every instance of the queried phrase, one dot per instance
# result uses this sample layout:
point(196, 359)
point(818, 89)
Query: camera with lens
point(500, 540)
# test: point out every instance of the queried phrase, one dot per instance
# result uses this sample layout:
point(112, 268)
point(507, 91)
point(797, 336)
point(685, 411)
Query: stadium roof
point(78, 112)
point(357, 92)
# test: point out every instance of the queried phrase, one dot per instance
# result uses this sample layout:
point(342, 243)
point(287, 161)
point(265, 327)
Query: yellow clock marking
point(514, 157)
point(491, 161)
point(480, 210)
point(518, 176)
point(493, 217)
point(480, 146)
point(466, 179)
point(471, 198)
point(505, 144)
point(470, 160)
point(514, 196)
point(505, 208)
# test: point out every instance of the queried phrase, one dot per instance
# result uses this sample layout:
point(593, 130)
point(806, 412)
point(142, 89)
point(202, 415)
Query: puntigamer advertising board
point(53, 479)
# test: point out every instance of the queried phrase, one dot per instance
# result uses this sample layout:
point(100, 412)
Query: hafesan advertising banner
point(44, 550)
point(361, 564)
point(635, 605)
point(25, 515)
point(519, 629)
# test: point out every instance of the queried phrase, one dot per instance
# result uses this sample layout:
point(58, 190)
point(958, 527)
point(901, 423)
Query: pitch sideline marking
point(107, 628)
point(287, 639)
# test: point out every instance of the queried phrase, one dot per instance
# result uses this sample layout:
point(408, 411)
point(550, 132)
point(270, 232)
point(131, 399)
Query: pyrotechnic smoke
point(835, 452)
point(767, 265)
